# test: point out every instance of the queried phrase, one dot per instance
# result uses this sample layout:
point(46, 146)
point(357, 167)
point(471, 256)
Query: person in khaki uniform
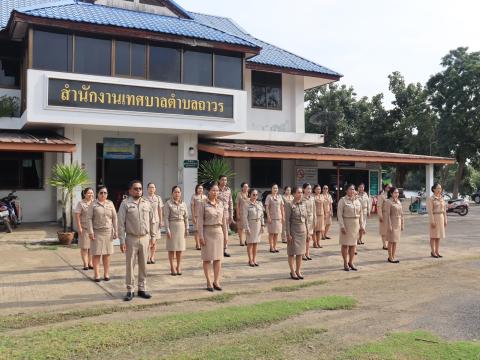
point(437, 215)
point(81, 216)
point(157, 206)
point(195, 202)
point(381, 214)
point(320, 214)
point(287, 198)
point(296, 223)
point(366, 208)
point(176, 223)
point(137, 233)
point(327, 210)
point(253, 223)
point(275, 214)
point(240, 207)
point(102, 229)
point(225, 196)
point(350, 219)
point(309, 201)
point(395, 222)
point(212, 227)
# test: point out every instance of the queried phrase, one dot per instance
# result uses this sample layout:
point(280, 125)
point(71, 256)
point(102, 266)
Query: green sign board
point(374, 186)
point(190, 164)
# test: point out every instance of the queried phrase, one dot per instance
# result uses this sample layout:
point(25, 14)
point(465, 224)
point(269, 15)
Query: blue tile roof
point(270, 54)
point(201, 26)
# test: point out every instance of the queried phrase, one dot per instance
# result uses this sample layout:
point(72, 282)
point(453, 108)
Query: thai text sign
point(95, 95)
point(118, 148)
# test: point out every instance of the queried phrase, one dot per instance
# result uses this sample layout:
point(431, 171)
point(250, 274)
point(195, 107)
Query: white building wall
point(290, 118)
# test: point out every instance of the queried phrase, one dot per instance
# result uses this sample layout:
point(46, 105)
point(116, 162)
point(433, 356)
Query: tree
point(455, 97)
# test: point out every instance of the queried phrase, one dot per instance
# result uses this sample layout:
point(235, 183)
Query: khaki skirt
point(84, 240)
point(394, 234)
point(275, 227)
point(382, 226)
point(213, 248)
point(320, 224)
point(328, 219)
point(177, 242)
point(438, 232)
point(299, 234)
point(254, 236)
point(365, 216)
point(352, 226)
point(310, 225)
point(103, 243)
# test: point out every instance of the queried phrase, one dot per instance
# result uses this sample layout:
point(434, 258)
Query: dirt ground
point(437, 295)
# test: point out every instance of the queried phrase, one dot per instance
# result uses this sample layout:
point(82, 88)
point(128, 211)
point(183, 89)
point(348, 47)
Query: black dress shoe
point(346, 268)
point(308, 258)
point(276, 250)
point(242, 244)
point(251, 265)
point(390, 260)
point(129, 296)
point(304, 258)
point(256, 264)
point(149, 262)
point(327, 238)
point(226, 254)
point(97, 280)
point(396, 261)
point(209, 289)
point(385, 248)
point(216, 287)
point(352, 267)
point(85, 268)
point(152, 261)
point(90, 267)
point(144, 295)
point(440, 256)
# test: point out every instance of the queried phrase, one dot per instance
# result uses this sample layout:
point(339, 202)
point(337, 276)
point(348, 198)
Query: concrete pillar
point(428, 179)
point(299, 104)
point(187, 177)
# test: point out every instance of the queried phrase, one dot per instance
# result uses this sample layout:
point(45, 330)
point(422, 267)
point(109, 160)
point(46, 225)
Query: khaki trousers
point(137, 251)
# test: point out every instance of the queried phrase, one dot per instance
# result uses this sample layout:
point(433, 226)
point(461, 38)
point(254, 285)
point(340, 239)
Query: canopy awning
point(35, 142)
point(237, 150)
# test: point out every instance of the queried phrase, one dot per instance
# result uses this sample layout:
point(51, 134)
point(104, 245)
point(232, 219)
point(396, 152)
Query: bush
point(9, 106)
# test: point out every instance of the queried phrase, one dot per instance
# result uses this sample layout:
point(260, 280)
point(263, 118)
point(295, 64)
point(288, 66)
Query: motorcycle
point(457, 206)
point(5, 218)
point(13, 207)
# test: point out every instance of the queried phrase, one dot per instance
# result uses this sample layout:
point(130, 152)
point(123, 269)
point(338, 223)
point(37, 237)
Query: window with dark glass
point(21, 170)
point(266, 90)
point(130, 59)
point(228, 71)
point(10, 73)
point(264, 173)
point(52, 51)
point(197, 67)
point(164, 64)
point(93, 56)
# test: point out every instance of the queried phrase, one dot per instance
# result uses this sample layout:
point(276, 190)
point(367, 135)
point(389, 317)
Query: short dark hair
point(101, 187)
point(243, 184)
point(350, 185)
point(84, 191)
point(222, 176)
point(361, 184)
point(133, 182)
point(294, 190)
point(250, 192)
point(435, 186)
point(287, 187)
point(385, 186)
point(391, 191)
point(175, 188)
point(151, 183)
point(196, 188)
point(316, 186)
point(306, 185)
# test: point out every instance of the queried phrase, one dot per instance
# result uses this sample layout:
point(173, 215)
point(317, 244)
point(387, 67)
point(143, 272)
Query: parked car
point(476, 197)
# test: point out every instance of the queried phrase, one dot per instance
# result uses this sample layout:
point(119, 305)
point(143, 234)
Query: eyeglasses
point(137, 188)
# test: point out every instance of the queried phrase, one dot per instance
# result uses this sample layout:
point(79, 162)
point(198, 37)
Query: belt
point(138, 236)
point(438, 212)
point(351, 217)
point(175, 220)
point(214, 225)
point(257, 220)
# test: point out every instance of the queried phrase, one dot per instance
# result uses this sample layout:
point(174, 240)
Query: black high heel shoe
point(352, 267)
point(433, 255)
point(301, 277)
point(294, 277)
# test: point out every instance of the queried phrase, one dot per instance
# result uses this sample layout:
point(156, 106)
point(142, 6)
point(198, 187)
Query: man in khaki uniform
point(137, 233)
point(225, 196)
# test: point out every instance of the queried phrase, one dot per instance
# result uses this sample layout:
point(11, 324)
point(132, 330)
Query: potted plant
point(67, 177)
point(209, 171)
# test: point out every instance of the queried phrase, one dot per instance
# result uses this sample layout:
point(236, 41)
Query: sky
point(363, 40)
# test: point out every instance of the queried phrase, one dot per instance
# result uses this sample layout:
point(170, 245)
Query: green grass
point(268, 347)
point(302, 285)
point(416, 345)
point(41, 247)
point(88, 340)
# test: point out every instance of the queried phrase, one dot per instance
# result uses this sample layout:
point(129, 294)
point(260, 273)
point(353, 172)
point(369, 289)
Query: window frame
point(170, 46)
point(241, 57)
point(201, 50)
point(20, 64)
point(20, 186)
point(266, 107)
point(145, 63)
point(74, 53)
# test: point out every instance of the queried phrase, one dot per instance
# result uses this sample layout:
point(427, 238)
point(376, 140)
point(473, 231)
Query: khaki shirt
point(320, 208)
point(327, 204)
point(157, 206)
point(225, 196)
point(381, 205)
point(436, 205)
point(195, 204)
point(349, 208)
point(175, 212)
point(242, 203)
point(311, 211)
point(366, 203)
point(211, 215)
point(82, 209)
point(102, 217)
point(253, 212)
point(136, 218)
point(295, 213)
point(274, 207)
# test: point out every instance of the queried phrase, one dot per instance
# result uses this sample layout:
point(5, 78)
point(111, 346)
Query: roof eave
point(19, 18)
point(273, 68)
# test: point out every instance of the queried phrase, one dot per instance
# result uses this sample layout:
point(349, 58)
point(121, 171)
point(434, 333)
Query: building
point(143, 89)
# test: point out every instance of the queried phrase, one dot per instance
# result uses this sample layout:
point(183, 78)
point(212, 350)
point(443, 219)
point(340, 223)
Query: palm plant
point(67, 177)
point(209, 171)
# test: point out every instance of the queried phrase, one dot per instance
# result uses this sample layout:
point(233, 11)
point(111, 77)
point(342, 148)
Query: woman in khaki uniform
point(197, 198)
point(320, 213)
point(81, 216)
point(350, 219)
point(287, 197)
point(275, 214)
point(437, 215)
point(381, 209)
point(157, 206)
point(253, 223)
point(309, 201)
point(212, 227)
point(241, 204)
point(103, 229)
point(395, 222)
point(327, 210)
point(296, 223)
point(176, 223)
point(366, 208)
